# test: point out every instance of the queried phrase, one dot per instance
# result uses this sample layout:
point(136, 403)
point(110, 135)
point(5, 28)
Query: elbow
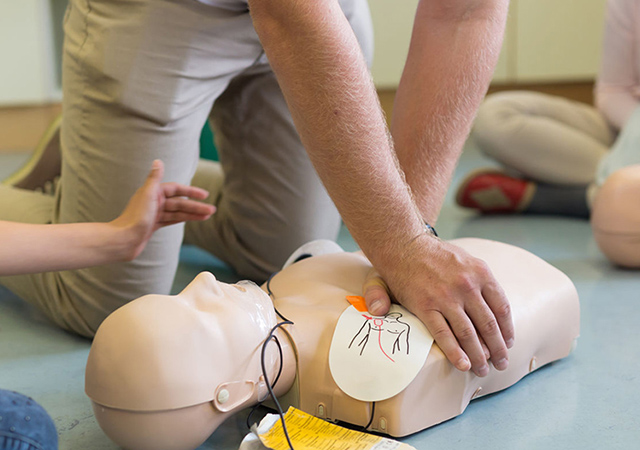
point(264, 18)
point(272, 18)
point(286, 15)
point(268, 16)
point(264, 8)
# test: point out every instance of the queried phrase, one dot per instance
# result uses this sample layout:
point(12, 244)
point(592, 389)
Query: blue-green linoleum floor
point(590, 400)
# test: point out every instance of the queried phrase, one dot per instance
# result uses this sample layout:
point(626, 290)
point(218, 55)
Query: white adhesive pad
point(374, 358)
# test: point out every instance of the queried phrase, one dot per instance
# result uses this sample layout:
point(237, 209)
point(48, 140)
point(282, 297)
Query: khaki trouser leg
point(41, 289)
point(140, 77)
point(271, 200)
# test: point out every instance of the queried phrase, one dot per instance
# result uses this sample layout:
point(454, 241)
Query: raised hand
point(156, 205)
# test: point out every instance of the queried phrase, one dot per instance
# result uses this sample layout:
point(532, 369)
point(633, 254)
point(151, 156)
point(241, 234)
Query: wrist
point(430, 230)
point(122, 241)
point(392, 258)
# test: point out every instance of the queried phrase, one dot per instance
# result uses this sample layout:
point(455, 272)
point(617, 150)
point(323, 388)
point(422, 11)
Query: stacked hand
point(456, 297)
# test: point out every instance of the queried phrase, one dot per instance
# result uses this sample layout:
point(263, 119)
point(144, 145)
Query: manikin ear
point(233, 395)
point(236, 395)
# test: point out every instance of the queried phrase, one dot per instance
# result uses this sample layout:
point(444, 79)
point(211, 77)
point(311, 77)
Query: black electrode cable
point(257, 405)
point(264, 371)
point(266, 378)
point(268, 286)
point(373, 413)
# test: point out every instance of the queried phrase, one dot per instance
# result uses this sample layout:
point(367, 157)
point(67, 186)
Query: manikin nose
point(205, 281)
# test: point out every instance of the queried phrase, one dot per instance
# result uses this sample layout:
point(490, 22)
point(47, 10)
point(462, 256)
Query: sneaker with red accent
point(491, 191)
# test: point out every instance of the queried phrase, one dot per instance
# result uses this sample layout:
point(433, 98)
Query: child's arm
point(27, 248)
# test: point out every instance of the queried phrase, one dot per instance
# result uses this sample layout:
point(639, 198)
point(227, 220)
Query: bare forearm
point(30, 248)
point(335, 107)
point(454, 49)
point(27, 248)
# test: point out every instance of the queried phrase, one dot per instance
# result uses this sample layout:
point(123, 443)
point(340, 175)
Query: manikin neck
point(289, 364)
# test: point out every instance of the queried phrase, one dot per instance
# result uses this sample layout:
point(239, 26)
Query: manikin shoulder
point(321, 280)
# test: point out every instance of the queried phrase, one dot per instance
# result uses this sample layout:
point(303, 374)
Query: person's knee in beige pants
point(549, 147)
point(545, 138)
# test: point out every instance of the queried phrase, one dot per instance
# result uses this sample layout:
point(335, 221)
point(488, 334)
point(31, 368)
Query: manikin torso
point(545, 313)
point(213, 328)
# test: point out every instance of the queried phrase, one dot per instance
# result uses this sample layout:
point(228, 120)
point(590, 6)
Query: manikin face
point(167, 353)
point(218, 300)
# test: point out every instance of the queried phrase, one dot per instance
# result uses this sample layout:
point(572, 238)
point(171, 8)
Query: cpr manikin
point(165, 371)
point(615, 218)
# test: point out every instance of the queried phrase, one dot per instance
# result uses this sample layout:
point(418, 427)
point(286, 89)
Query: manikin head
point(158, 373)
point(615, 217)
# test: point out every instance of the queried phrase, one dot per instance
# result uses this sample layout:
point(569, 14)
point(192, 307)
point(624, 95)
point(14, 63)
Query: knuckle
point(498, 354)
point(466, 334)
point(441, 333)
point(466, 282)
point(491, 327)
point(428, 305)
point(503, 311)
point(482, 268)
point(374, 290)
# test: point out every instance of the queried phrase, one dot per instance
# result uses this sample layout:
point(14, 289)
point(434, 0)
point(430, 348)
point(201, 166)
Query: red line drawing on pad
point(392, 333)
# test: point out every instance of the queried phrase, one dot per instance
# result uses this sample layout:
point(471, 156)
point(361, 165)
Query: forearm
point(333, 102)
point(454, 49)
point(335, 108)
point(27, 248)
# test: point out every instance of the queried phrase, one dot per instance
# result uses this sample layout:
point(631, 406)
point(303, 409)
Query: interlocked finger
point(465, 332)
point(442, 334)
point(488, 329)
point(500, 307)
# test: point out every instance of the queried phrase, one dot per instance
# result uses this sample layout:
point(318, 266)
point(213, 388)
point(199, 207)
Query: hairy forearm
point(454, 49)
point(334, 105)
point(27, 248)
point(333, 102)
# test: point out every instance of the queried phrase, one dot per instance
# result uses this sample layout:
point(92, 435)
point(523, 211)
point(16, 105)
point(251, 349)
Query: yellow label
point(310, 433)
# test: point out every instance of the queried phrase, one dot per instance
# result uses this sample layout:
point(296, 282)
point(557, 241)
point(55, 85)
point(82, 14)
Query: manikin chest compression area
point(375, 358)
point(165, 371)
